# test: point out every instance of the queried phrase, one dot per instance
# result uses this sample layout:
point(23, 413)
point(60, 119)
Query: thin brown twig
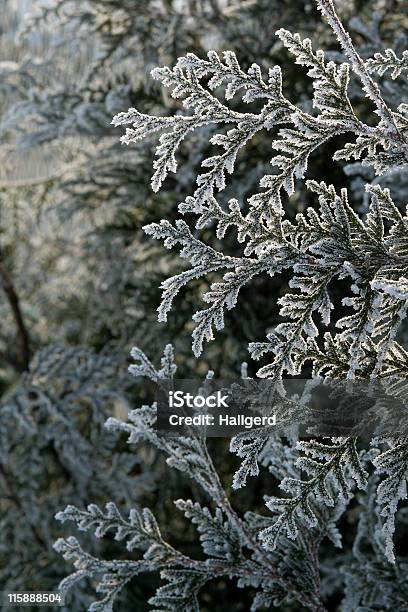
point(14, 302)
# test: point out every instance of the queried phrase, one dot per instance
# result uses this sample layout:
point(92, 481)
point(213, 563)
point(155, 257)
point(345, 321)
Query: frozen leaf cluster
point(331, 247)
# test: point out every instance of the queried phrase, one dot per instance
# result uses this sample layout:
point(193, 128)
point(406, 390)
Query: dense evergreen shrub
point(315, 259)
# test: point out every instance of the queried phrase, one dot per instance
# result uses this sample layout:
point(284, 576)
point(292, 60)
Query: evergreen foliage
point(285, 523)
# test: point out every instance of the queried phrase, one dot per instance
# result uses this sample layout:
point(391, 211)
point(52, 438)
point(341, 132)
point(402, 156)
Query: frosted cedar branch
point(329, 245)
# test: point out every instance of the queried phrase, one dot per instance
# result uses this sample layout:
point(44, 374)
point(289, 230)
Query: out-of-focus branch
point(14, 303)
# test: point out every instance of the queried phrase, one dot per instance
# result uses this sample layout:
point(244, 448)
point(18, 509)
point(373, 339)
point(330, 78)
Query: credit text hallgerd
point(179, 399)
